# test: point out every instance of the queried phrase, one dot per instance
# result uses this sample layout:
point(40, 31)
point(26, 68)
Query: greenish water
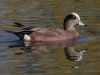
point(49, 59)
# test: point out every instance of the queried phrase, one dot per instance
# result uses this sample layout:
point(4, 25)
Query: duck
point(49, 34)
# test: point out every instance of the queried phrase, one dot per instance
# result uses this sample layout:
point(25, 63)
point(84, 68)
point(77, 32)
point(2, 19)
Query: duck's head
point(71, 20)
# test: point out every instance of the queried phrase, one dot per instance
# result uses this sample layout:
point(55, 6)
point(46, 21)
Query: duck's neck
point(70, 29)
point(68, 26)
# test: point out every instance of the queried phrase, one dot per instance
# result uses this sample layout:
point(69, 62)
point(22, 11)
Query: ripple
point(84, 38)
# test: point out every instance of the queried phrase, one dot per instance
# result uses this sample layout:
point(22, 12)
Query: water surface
point(49, 59)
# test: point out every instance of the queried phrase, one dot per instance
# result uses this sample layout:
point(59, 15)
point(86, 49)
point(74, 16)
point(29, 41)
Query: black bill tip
point(85, 25)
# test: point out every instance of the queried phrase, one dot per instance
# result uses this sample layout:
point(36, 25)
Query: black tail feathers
point(8, 31)
point(20, 34)
point(18, 24)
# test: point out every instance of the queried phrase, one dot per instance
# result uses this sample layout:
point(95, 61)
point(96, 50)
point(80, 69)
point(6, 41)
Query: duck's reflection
point(68, 45)
point(73, 54)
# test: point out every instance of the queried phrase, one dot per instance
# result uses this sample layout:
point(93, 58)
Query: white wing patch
point(27, 37)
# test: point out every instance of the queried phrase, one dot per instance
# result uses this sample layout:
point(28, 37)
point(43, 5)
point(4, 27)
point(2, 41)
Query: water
point(18, 58)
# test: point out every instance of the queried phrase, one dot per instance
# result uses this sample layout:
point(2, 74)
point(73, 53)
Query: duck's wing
point(49, 31)
point(29, 28)
point(16, 24)
point(33, 28)
point(24, 27)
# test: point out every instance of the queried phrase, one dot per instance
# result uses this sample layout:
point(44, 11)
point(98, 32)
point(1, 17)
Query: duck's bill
point(81, 24)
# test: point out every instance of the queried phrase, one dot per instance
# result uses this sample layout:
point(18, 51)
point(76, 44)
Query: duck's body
point(51, 34)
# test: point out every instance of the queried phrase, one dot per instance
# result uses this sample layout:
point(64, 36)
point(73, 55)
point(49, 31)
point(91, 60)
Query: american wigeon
point(51, 34)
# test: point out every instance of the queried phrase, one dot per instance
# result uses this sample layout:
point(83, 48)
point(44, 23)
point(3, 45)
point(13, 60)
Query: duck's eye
point(74, 17)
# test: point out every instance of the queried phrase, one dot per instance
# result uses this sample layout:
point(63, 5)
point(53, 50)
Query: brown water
point(49, 59)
